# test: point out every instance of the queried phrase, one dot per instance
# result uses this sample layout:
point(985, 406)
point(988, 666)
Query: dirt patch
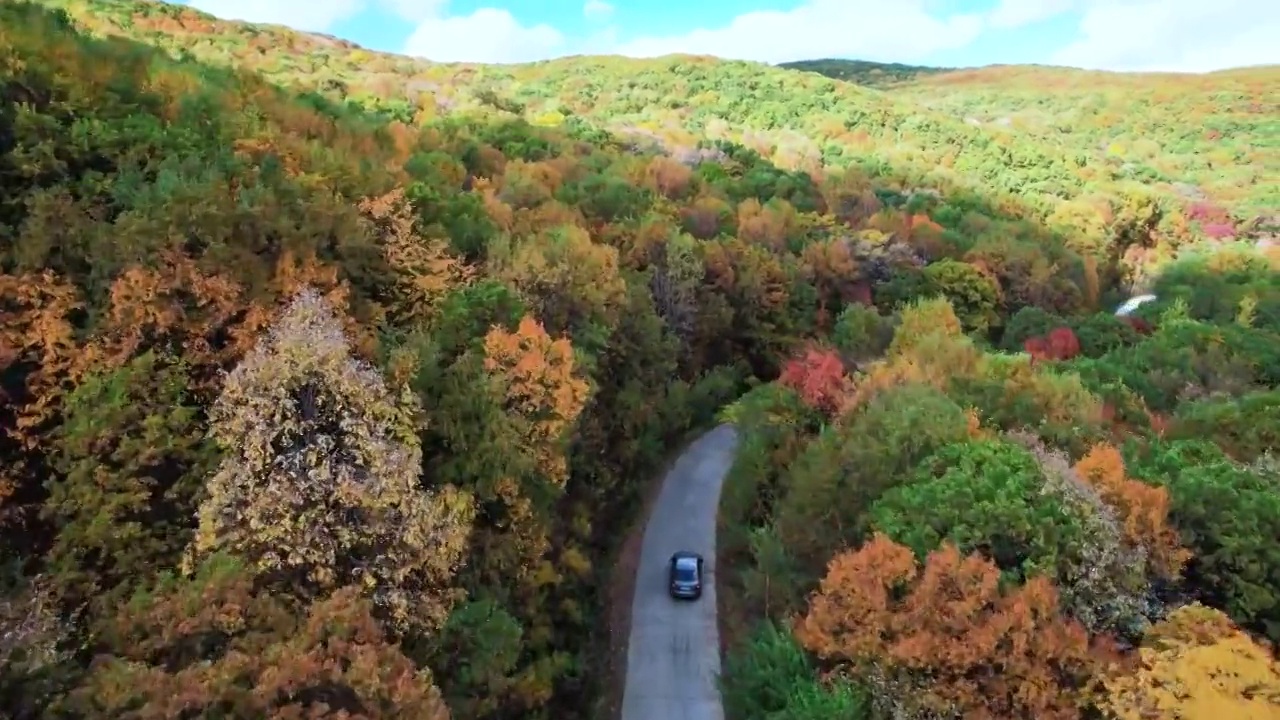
point(622, 587)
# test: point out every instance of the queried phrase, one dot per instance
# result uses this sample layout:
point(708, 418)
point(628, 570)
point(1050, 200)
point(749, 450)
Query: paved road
point(673, 655)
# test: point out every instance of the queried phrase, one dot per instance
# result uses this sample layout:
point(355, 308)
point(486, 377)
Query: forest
point(328, 377)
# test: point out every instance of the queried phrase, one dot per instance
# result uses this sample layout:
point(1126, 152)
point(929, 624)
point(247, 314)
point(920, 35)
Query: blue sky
point(1177, 35)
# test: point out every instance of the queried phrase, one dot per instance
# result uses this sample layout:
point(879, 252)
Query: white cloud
point(488, 35)
point(596, 8)
point(306, 15)
point(902, 31)
point(1018, 13)
point(1175, 35)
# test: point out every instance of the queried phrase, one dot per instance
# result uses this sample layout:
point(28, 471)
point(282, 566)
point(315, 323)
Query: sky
point(1127, 35)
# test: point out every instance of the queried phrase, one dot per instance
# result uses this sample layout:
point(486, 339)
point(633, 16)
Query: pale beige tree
point(320, 484)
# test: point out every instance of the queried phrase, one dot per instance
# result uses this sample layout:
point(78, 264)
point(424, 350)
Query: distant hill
point(1040, 135)
point(864, 72)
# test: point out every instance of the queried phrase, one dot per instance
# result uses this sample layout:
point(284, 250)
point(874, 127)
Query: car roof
point(686, 563)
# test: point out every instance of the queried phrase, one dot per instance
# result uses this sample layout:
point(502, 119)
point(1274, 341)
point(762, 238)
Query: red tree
point(1063, 343)
point(1059, 344)
point(817, 375)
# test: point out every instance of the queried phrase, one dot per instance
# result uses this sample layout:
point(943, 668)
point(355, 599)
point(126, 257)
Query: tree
point(572, 284)
point(424, 271)
point(923, 318)
point(860, 332)
point(1106, 585)
point(938, 359)
point(1197, 664)
point(974, 296)
point(1058, 344)
point(946, 626)
point(1028, 322)
point(319, 484)
point(983, 496)
point(477, 651)
point(1100, 333)
point(35, 657)
point(1013, 393)
point(1022, 508)
point(1246, 427)
point(674, 284)
point(1143, 510)
point(770, 677)
point(832, 269)
point(133, 458)
point(828, 489)
point(1229, 518)
point(542, 388)
point(818, 376)
point(215, 646)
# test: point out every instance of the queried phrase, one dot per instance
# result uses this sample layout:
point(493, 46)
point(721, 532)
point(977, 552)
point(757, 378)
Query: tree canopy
point(330, 378)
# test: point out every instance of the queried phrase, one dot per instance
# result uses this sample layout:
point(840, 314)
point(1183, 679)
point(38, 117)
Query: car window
point(686, 569)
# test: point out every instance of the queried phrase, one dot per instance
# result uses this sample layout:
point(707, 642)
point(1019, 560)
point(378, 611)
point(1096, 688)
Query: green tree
point(828, 489)
point(861, 333)
point(975, 297)
point(1229, 518)
point(770, 677)
point(1028, 514)
point(982, 494)
point(1028, 322)
point(1245, 427)
point(134, 456)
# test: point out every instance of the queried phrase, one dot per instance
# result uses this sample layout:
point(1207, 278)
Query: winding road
point(673, 654)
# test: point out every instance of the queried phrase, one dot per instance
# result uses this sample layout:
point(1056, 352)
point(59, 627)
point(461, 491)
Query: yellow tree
point(319, 484)
point(1197, 664)
point(923, 318)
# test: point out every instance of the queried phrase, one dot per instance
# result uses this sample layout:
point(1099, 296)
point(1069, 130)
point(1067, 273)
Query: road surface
point(673, 655)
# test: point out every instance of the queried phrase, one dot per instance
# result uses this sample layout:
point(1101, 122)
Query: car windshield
point(686, 569)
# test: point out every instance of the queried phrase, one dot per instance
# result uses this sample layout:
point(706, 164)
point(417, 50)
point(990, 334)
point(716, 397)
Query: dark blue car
point(685, 574)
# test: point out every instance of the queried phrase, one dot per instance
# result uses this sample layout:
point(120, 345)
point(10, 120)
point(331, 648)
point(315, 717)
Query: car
point(685, 575)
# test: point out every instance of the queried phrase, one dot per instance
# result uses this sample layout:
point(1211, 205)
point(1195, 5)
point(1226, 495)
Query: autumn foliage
point(1197, 664)
point(212, 646)
point(541, 387)
point(817, 374)
point(947, 627)
point(319, 483)
point(1059, 344)
point(1143, 509)
point(328, 378)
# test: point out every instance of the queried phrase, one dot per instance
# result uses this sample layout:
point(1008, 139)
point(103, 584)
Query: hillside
point(1212, 137)
point(1154, 161)
point(330, 378)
